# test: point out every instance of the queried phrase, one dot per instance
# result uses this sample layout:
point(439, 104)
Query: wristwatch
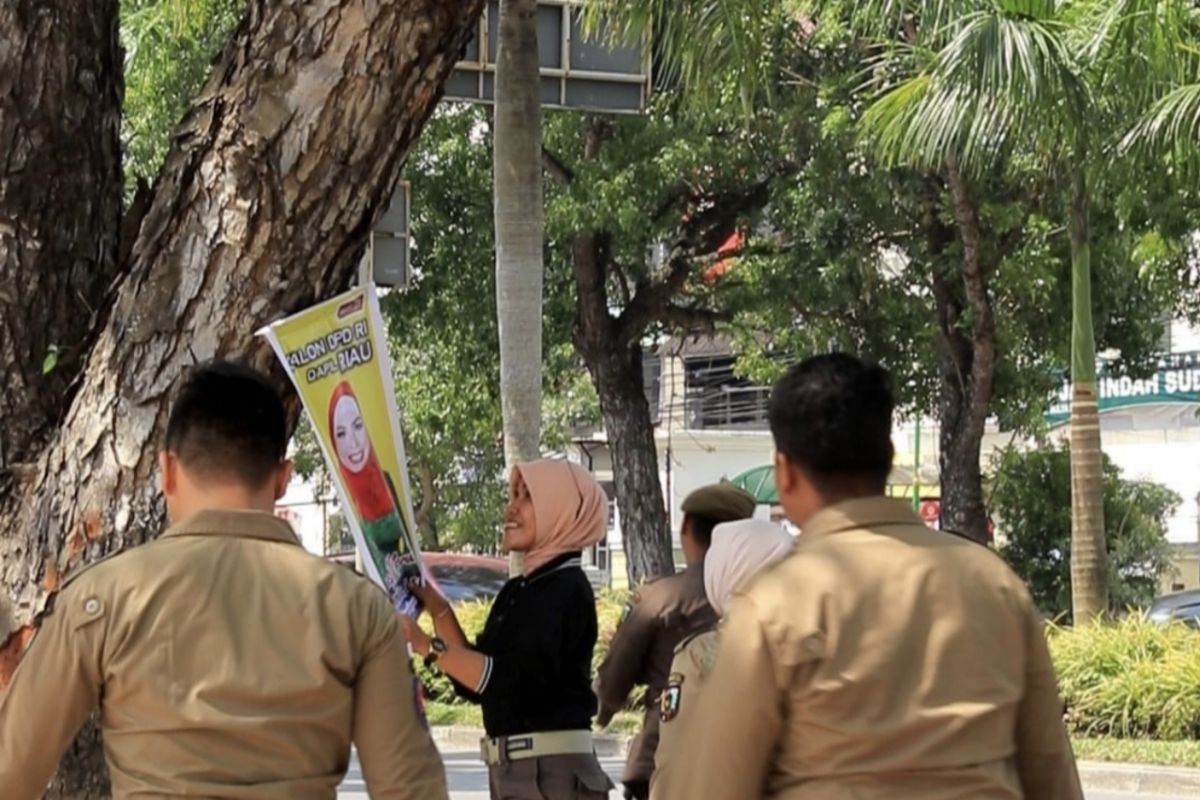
point(436, 648)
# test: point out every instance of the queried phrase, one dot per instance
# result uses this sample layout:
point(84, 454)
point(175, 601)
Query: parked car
point(1181, 606)
point(459, 576)
point(462, 577)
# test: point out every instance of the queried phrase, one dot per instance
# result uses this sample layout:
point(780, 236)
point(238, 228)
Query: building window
point(717, 398)
point(610, 493)
point(652, 384)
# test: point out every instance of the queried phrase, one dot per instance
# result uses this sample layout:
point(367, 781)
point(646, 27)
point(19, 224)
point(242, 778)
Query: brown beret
point(722, 502)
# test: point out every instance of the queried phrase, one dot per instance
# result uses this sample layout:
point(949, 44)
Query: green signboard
point(1177, 380)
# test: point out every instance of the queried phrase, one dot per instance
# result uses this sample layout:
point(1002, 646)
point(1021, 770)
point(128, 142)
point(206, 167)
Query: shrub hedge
point(1128, 678)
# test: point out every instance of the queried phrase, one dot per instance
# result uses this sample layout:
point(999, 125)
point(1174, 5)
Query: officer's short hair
point(702, 529)
point(228, 422)
point(832, 416)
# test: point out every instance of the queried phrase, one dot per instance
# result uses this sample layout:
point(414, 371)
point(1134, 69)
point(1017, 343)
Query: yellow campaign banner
point(336, 355)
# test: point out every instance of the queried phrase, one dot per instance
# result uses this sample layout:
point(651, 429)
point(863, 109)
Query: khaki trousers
point(574, 776)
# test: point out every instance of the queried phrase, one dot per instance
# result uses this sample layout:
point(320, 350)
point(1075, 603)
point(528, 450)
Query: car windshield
point(460, 583)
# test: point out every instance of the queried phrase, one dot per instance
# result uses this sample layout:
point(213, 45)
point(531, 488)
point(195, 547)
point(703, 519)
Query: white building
point(711, 425)
point(309, 511)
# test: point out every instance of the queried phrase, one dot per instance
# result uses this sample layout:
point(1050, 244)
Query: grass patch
point(454, 714)
point(1137, 751)
point(625, 723)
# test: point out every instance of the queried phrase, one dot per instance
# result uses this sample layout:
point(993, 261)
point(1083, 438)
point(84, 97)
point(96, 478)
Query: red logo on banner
point(930, 512)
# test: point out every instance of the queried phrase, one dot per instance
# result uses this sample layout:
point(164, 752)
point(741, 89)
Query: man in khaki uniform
point(738, 552)
point(660, 614)
point(694, 659)
point(881, 659)
point(225, 660)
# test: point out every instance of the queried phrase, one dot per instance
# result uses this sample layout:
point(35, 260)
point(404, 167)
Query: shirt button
point(92, 606)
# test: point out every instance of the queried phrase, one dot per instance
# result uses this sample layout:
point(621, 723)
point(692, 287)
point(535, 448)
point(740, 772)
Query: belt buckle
point(515, 744)
point(489, 751)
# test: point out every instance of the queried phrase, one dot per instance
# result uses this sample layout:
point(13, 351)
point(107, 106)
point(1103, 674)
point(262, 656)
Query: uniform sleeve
point(53, 690)
point(399, 759)
point(672, 727)
point(737, 721)
point(625, 662)
point(1044, 758)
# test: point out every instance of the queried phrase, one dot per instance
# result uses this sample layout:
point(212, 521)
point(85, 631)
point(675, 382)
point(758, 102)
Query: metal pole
point(916, 489)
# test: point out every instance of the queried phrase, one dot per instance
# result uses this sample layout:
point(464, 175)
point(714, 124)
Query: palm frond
point(1004, 75)
point(1141, 48)
point(999, 56)
point(925, 121)
point(911, 20)
point(701, 45)
point(1172, 126)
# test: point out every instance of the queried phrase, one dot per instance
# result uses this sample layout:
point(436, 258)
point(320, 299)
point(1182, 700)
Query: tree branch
point(701, 233)
point(691, 319)
point(622, 283)
point(557, 168)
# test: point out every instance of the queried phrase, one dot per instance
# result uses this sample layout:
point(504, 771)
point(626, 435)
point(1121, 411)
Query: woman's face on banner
point(350, 435)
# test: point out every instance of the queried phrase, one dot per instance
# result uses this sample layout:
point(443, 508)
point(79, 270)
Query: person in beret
point(658, 616)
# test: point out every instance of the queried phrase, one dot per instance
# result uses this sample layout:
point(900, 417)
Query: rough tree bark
point(60, 202)
point(967, 363)
point(263, 205)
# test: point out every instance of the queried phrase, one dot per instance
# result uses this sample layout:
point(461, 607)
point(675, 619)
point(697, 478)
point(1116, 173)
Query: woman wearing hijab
point(370, 494)
point(530, 668)
point(738, 552)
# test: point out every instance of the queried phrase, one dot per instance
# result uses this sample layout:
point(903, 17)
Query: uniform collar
point(565, 561)
point(243, 524)
point(864, 512)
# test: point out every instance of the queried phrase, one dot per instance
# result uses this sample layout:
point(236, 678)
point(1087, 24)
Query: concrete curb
point(1139, 778)
point(1095, 775)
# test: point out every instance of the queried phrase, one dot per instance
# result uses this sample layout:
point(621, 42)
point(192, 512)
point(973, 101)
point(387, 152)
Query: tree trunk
point(61, 86)
point(424, 514)
point(645, 526)
point(60, 203)
point(518, 214)
point(262, 207)
point(967, 365)
point(1089, 567)
point(615, 364)
point(517, 158)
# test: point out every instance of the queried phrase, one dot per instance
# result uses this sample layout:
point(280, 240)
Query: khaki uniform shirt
point(881, 659)
point(226, 662)
point(694, 659)
point(660, 615)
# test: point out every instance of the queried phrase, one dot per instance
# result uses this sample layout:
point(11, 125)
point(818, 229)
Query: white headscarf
point(739, 550)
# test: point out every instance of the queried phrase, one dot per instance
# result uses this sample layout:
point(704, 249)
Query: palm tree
point(993, 80)
point(517, 156)
point(984, 79)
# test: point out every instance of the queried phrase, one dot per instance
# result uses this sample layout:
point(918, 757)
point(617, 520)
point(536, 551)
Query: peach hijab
point(570, 509)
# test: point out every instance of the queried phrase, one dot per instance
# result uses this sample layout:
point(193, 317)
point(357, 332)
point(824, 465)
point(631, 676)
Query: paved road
point(467, 777)
point(468, 781)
